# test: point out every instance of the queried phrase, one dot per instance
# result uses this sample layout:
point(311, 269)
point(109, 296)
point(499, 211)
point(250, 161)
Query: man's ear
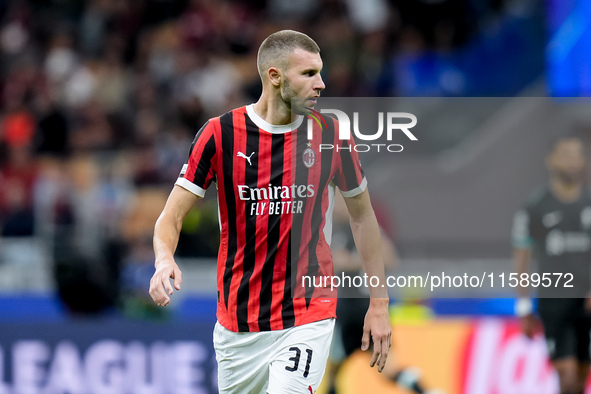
point(275, 76)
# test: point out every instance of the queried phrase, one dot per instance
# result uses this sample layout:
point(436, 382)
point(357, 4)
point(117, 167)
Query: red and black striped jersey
point(275, 195)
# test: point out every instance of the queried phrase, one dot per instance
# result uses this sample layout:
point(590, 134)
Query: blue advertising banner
point(107, 357)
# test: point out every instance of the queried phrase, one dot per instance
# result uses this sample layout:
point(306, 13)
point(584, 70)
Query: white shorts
point(277, 362)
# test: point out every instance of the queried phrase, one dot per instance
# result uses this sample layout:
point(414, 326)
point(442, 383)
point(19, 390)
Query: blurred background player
point(353, 302)
point(554, 226)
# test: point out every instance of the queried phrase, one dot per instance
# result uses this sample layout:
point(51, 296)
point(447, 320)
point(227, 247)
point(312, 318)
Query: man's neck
point(273, 110)
point(565, 192)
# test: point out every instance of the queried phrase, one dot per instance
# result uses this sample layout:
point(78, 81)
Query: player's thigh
point(243, 360)
point(300, 360)
point(559, 328)
point(561, 342)
point(583, 332)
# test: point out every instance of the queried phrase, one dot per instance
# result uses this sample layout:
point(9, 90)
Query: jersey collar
point(271, 128)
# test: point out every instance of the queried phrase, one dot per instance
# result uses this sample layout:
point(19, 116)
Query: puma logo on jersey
point(240, 154)
point(552, 219)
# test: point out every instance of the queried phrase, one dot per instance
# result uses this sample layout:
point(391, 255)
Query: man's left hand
point(377, 327)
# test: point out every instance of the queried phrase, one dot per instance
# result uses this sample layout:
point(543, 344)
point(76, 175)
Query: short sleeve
point(349, 177)
point(521, 233)
point(199, 170)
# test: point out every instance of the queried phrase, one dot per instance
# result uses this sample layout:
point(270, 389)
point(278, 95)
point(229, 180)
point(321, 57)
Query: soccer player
point(275, 190)
point(554, 225)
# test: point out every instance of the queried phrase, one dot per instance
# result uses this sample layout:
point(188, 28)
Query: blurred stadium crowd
point(100, 100)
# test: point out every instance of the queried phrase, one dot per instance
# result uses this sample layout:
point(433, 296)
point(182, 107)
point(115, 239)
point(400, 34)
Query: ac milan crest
point(309, 157)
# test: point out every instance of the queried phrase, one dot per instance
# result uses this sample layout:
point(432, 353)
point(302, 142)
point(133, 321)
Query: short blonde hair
point(275, 49)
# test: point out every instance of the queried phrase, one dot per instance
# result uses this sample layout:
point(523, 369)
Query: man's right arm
point(523, 304)
point(521, 258)
point(166, 237)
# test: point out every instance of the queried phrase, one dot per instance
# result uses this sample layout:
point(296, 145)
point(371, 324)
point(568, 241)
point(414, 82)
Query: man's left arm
point(366, 233)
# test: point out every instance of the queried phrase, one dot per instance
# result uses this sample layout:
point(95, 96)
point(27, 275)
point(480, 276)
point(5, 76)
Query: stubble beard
point(292, 101)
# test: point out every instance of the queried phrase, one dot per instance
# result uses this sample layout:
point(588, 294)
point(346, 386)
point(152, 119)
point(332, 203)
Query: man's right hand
point(524, 310)
point(160, 287)
point(528, 325)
